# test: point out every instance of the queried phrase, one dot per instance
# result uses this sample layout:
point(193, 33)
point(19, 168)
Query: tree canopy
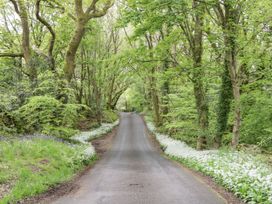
point(200, 69)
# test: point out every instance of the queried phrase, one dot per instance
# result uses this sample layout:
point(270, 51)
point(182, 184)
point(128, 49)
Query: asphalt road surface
point(134, 172)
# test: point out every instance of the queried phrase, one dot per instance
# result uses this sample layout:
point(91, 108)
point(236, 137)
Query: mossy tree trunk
point(82, 18)
point(231, 33)
point(153, 85)
point(225, 98)
point(198, 75)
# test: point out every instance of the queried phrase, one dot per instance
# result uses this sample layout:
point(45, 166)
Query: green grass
point(31, 167)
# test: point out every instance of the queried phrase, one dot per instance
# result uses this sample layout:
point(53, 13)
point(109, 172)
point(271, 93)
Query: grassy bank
point(28, 168)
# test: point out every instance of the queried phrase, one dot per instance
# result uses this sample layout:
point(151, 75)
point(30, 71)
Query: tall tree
point(192, 25)
point(82, 18)
point(229, 13)
point(198, 73)
point(20, 9)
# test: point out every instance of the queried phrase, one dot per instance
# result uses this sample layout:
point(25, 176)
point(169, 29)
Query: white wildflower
point(241, 173)
point(83, 137)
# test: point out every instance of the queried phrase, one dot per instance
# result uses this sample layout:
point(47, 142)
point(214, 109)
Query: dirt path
point(134, 172)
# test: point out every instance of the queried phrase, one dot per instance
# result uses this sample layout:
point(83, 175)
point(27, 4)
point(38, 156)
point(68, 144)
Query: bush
point(47, 115)
point(7, 104)
point(7, 126)
point(72, 113)
point(40, 111)
point(110, 116)
point(51, 85)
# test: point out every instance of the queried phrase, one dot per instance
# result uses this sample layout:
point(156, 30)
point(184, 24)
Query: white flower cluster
point(241, 173)
point(84, 137)
point(90, 151)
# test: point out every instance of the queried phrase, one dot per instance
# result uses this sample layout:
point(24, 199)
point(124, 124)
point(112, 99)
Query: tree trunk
point(113, 106)
point(237, 115)
point(202, 109)
point(165, 85)
point(110, 95)
point(70, 57)
point(153, 88)
point(80, 89)
point(89, 93)
point(199, 90)
point(231, 47)
point(165, 92)
point(83, 17)
point(97, 94)
point(155, 99)
point(21, 10)
point(235, 79)
point(25, 27)
point(51, 60)
point(225, 97)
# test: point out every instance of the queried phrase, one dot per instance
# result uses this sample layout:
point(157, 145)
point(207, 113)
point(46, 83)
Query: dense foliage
point(200, 68)
point(38, 93)
point(203, 69)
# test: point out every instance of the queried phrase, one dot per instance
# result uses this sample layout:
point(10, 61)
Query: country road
point(134, 172)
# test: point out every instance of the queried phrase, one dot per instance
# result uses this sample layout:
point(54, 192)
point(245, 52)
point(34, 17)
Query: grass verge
point(30, 167)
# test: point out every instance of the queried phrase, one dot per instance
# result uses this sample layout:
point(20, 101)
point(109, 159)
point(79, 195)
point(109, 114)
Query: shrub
point(37, 113)
point(109, 116)
point(51, 85)
point(72, 113)
point(47, 115)
point(7, 126)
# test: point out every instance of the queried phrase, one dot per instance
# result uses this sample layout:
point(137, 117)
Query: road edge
point(222, 192)
point(59, 190)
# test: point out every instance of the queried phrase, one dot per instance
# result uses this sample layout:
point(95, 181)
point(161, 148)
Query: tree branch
point(11, 55)
point(100, 13)
point(59, 6)
point(78, 8)
point(52, 32)
point(91, 7)
point(15, 6)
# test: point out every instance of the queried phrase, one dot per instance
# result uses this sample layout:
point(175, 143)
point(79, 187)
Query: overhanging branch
point(11, 55)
